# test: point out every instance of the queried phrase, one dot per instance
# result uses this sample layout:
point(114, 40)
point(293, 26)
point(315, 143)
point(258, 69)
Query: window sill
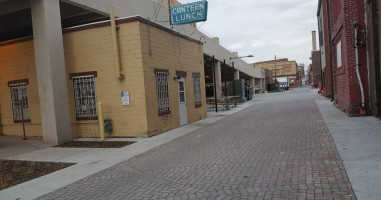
point(20, 121)
point(164, 113)
point(86, 118)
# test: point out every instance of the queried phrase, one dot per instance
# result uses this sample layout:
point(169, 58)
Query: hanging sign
point(189, 13)
point(125, 98)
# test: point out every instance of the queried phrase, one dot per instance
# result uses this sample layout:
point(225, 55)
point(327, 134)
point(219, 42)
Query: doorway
point(182, 102)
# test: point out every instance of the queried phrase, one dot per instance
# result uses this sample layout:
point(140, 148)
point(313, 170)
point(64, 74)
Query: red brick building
point(341, 16)
point(316, 68)
point(325, 47)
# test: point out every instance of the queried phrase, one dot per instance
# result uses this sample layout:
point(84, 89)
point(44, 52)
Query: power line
point(197, 29)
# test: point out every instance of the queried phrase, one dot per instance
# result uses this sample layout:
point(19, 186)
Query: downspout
point(376, 49)
point(330, 53)
point(115, 42)
point(356, 27)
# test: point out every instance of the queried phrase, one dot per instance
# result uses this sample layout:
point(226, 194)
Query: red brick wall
point(316, 67)
point(296, 83)
point(347, 90)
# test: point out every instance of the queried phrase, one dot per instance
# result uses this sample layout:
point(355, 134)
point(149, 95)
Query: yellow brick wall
point(86, 50)
point(289, 67)
point(171, 53)
point(92, 50)
point(17, 62)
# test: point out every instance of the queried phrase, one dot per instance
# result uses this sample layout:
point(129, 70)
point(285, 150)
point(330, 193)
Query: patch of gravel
point(14, 172)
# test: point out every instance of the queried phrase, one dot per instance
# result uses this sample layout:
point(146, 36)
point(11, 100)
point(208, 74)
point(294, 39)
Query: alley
point(278, 148)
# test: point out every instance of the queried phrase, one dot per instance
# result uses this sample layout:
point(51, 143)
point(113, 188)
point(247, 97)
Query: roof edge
point(128, 20)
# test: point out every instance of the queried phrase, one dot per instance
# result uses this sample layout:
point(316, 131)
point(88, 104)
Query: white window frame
point(20, 102)
point(162, 91)
point(85, 97)
point(339, 59)
point(197, 89)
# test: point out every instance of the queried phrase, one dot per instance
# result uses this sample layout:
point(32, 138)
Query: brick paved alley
point(279, 148)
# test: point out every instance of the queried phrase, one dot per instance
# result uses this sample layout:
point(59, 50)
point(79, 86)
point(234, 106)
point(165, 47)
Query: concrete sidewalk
point(358, 140)
point(89, 161)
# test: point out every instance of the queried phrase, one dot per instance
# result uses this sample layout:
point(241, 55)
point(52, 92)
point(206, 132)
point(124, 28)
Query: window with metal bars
point(85, 97)
point(197, 89)
point(162, 91)
point(20, 105)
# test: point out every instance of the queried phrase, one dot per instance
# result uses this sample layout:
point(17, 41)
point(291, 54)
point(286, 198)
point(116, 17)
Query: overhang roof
point(16, 17)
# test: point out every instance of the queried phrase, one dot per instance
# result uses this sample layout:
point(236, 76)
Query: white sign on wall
point(125, 98)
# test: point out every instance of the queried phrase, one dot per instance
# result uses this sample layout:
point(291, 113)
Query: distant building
point(309, 75)
point(315, 63)
point(301, 74)
point(280, 68)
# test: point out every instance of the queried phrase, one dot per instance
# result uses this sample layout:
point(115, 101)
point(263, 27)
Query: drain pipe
point(362, 109)
point(114, 36)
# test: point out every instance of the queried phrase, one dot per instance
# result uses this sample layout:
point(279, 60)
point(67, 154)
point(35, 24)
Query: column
point(217, 69)
point(252, 82)
point(236, 75)
point(51, 72)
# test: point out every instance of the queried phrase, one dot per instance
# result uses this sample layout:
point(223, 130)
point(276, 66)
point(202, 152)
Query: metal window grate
point(162, 91)
point(20, 106)
point(197, 89)
point(85, 97)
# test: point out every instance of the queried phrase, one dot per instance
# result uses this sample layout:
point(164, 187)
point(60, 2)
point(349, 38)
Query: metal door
point(182, 102)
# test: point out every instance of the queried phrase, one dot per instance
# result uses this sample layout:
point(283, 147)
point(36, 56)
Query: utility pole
point(169, 12)
point(275, 70)
point(214, 84)
point(226, 89)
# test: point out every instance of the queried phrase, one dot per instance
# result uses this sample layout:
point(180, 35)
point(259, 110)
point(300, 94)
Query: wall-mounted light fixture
point(176, 78)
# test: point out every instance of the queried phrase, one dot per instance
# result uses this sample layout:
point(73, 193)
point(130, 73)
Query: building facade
point(346, 33)
point(316, 67)
point(162, 74)
point(280, 68)
point(325, 46)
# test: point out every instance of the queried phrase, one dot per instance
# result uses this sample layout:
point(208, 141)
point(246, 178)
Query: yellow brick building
point(284, 67)
point(149, 54)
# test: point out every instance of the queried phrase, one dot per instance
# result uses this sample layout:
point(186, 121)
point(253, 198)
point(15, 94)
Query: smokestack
point(314, 41)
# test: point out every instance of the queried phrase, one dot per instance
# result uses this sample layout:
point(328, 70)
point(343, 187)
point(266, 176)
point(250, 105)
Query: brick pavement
point(272, 150)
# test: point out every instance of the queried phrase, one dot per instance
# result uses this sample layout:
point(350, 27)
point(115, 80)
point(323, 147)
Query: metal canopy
point(16, 17)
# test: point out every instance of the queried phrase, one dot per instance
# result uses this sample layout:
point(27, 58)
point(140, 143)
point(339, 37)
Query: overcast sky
point(263, 28)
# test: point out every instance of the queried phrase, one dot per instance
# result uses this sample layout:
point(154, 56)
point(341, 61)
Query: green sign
point(189, 13)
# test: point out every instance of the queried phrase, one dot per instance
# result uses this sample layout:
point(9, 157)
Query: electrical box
point(108, 125)
point(240, 89)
